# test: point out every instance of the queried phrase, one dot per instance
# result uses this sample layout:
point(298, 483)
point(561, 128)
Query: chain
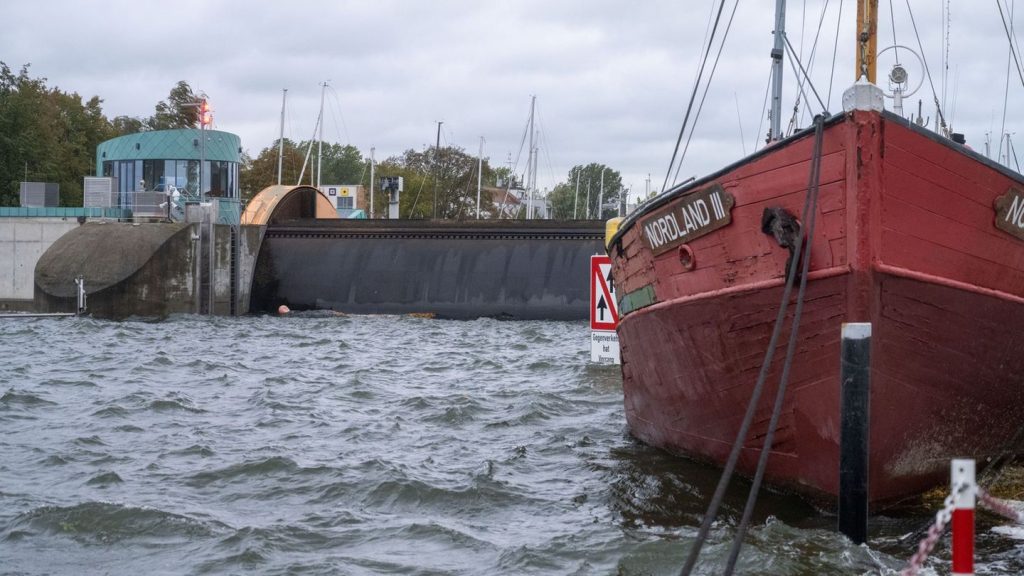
point(942, 518)
point(1000, 507)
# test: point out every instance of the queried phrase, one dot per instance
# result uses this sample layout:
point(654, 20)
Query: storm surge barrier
point(525, 270)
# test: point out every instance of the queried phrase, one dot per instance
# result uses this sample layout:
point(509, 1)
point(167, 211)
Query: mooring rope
point(809, 217)
point(748, 417)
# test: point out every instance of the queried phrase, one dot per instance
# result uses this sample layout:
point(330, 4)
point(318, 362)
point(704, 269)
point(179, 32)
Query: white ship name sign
point(1010, 212)
point(688, 217)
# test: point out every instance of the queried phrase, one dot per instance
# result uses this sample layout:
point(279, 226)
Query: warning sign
point(604, 308)
point(604, 312)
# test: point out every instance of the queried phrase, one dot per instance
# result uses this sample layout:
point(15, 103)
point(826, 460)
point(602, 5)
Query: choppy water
point(364, 445)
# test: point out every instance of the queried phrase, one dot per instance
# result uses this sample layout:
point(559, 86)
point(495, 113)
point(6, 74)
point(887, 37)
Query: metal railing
point(64, 212)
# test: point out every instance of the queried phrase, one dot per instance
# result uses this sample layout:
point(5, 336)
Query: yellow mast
point(867, 26)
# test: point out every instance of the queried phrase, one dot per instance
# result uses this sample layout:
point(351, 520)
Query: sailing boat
point(905, 229)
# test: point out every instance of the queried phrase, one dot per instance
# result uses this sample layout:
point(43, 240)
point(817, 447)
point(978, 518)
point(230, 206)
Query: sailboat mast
point(280, 140)
point(775, 133)
point(867, 28)
point(576, 198)
point(437, 165)
point(320, 138)
point(479, 175)
point(531, 164)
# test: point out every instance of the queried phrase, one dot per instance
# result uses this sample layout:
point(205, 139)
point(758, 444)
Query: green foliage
point(46, 135)
point(341, 164)
point(439, 183)
point(179, 110)
point(567, 204)
point(126, 125)
point(255, 174)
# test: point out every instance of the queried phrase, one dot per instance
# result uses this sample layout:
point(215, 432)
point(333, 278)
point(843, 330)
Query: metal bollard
point(854, 426)
point(81, 296)
point(964, 491)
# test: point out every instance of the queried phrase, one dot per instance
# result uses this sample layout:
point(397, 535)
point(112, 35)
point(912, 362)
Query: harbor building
point(172, 160)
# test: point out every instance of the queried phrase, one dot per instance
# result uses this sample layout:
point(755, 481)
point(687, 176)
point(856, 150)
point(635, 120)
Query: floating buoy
point(282, 309)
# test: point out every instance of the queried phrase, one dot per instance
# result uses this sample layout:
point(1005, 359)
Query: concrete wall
point(22, 242)
point(249, 239)
point(146, 270)
point(129, 270)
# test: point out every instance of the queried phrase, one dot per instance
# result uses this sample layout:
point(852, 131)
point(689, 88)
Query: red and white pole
point(961, 476)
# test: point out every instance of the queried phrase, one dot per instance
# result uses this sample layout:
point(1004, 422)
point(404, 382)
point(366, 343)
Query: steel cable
point(928, 74)
point(693, 96)
point(704, 96)
point(1009, 37)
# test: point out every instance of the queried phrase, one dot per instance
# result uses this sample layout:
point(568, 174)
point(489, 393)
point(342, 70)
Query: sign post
point(604, 312)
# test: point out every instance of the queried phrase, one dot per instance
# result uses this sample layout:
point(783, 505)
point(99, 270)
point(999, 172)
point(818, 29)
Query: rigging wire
point(1006, 93)
point(1013, 36)
point(693, 95)
point(412, 209)
point(810, 66)
point(289, 160)
point(337, 105)
point(1009, 37)
point(543, 143)
point(760, 124)
point(835, 49)
point(512, 169)
point(546, 147)
point(956, 95)
point(800, 95)
point(946, 23)
point(739, 120)
point(935, 96)
point(707, 85)
point(309, 151)
point(814, 47)
point(803, 28)
point(794, 63)
point(705, 43)
point(896, 45)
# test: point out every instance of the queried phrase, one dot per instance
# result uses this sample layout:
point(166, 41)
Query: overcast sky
point(612, 79)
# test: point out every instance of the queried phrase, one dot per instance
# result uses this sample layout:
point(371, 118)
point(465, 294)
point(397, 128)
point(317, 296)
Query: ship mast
point(867, 27)
point(320, 138)
point(775, 132)
point(280, 140)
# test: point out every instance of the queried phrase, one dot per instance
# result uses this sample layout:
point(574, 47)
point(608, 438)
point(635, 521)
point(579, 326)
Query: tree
point(179, 110)
point(126, 125)
point(341, 164)
point(256, 174)
point(443, 177)
point(46, 135)
point(567, 204)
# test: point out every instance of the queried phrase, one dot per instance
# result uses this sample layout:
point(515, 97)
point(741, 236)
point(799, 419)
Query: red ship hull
point(905, 239)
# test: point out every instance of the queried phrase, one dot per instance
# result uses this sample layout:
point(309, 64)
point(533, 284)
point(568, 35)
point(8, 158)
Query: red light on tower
point(205, 114)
